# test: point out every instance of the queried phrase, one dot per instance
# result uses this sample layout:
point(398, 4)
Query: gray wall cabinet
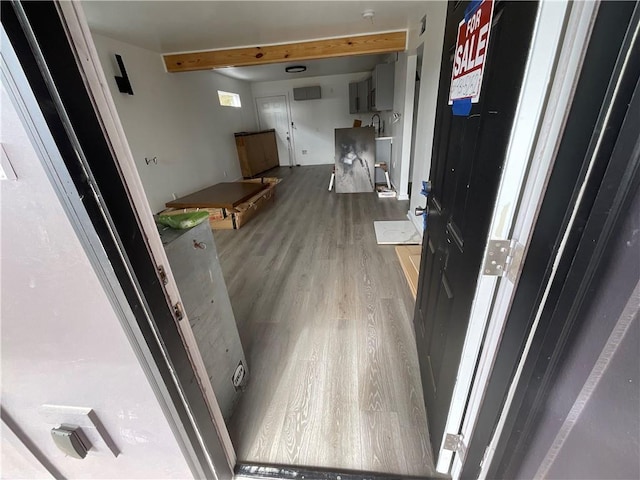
point(194, 262)
point(382, 83)
point(375, 94)
point(360, 96)
point(353, 97)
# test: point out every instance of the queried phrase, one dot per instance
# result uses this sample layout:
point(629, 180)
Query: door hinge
point(503, 259)
point(454, 443)
point(178, 312)
point(163, 275)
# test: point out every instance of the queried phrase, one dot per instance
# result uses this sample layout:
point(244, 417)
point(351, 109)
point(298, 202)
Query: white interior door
point(273, 112)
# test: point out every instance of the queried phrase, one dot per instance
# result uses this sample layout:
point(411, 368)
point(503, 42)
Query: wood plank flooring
point(325, 317)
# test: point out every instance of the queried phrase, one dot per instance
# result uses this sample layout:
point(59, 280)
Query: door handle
point(419, 211)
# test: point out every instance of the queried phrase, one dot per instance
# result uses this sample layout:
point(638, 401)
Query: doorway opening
point(323, 278)
point(353, 238)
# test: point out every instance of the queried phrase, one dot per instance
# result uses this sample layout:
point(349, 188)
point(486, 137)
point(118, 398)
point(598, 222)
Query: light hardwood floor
point(325, 318)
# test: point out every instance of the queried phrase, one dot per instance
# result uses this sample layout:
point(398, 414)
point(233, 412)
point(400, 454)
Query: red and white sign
point(471, 54)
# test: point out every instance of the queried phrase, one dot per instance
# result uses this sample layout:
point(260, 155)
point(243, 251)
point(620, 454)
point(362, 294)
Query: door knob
point(419, 211)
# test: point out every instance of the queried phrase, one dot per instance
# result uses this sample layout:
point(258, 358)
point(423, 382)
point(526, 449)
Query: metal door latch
point(163, 275)
point(178, 312)
point(503, 259)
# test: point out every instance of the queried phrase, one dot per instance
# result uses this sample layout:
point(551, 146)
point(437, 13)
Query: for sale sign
point(471, 52)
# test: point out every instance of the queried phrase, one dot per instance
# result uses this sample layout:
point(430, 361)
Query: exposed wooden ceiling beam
point(291, 52)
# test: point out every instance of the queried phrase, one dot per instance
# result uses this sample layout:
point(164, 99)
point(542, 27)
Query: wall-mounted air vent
point(307, 93)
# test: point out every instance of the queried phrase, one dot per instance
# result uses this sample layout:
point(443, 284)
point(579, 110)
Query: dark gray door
point(468, 153)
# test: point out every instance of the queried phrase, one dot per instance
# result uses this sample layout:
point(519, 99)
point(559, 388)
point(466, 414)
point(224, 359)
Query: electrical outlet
point(225, 174)
point(304, 152)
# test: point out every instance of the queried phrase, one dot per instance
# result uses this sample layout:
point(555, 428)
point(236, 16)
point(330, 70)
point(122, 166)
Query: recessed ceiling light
point(296, 69)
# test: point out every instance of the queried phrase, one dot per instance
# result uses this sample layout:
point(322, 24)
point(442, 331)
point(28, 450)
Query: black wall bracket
point(124, 85)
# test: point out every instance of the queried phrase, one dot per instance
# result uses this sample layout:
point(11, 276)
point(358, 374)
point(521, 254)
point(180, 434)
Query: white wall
point(401, 129)
point(316, 120)
point(178, 119)
point(395, 129)
point(61, 340)
point(433, 40)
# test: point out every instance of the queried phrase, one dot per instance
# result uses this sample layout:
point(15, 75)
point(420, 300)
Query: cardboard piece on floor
point(401, 232)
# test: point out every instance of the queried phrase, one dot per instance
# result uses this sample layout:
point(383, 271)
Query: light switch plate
point(101, 442)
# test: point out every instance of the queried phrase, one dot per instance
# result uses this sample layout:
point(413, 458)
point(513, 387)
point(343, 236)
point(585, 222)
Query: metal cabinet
point(194, 262)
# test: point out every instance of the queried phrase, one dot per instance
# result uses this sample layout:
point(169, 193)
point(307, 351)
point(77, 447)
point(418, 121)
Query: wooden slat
point(409, 256)
point(333, 47)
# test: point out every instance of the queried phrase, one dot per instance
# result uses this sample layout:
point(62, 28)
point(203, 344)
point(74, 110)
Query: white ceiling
point(179, 26)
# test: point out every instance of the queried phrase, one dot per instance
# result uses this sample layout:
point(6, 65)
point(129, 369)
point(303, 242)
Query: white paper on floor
point(400, 232)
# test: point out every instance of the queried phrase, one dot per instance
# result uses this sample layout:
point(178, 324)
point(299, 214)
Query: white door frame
point(290, 126)
point(555, 58)
point(407, 126)
point(81, 42)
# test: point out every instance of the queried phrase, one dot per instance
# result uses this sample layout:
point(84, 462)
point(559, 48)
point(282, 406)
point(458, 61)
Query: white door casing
point(407, 128)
